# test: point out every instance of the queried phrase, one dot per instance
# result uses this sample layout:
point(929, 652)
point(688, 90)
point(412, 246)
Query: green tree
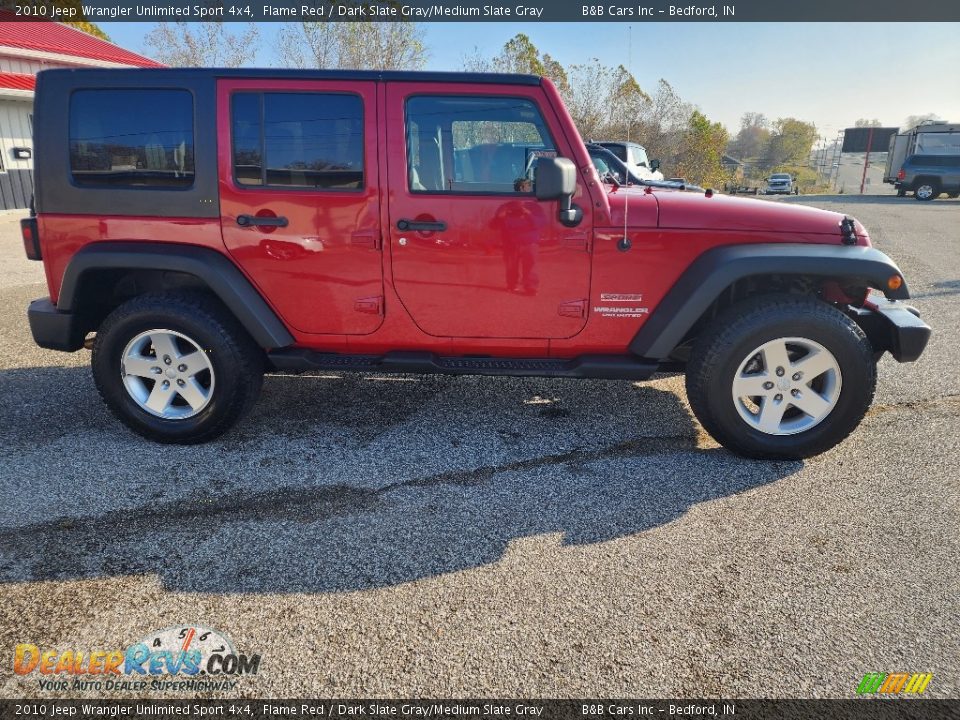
point(353, 45)
point(520, 55)
point(701, 150)
point(202, 44)
point(867, 122)
point(89, 28)
point(790, 143)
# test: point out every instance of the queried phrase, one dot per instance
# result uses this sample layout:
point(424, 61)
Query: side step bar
point(611, 367)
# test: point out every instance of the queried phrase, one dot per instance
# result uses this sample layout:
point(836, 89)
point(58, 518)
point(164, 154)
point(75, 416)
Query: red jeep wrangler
point(201, 227)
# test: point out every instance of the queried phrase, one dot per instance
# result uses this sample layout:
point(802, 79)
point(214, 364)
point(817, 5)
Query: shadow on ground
point(379, 483)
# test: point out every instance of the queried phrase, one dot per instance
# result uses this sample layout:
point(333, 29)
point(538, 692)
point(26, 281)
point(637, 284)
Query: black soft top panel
point(55, 191)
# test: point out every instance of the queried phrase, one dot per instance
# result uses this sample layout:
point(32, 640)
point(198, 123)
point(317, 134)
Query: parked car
point(634, 156)
point(927, 176)
point(781, 184)
point(201, 227)
point(609, 166)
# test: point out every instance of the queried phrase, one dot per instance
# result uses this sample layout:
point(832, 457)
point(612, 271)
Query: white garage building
point(25, 49)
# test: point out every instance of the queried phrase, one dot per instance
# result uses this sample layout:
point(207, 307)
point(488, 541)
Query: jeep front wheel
point(781, 377)
point(176, 367)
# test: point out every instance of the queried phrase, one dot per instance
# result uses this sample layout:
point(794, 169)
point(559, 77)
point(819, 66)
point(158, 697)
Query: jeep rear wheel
point(781, 377)
point(176, 367)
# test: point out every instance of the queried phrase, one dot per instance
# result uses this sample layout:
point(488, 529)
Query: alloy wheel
point(786, 386)
point(167, 374)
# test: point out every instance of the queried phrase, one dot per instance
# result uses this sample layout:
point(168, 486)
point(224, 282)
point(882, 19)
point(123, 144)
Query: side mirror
point(654, 165)
point(556, 179)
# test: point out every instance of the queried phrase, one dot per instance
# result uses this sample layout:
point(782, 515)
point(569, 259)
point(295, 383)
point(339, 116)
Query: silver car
point(781, 184)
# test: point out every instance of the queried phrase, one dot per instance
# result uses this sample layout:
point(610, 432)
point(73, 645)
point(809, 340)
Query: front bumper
point(893, 326)
point(53, 329)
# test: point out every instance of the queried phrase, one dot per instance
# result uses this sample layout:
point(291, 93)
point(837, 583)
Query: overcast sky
point(827, 73)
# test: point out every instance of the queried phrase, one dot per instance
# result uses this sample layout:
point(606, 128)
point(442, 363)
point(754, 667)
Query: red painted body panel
point(505, 265)
point(449, 292)
point(323, 271)
point(62, 235)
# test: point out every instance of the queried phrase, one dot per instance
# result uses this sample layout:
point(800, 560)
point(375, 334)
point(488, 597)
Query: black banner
point(861, 709)
point(640, 11)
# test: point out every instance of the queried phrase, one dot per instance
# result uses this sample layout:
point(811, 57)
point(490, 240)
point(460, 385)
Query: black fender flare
point(213, 268)
point(716, 269)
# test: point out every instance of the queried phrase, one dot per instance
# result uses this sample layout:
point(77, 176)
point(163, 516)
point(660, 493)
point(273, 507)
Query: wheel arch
point(726, 274)
point(102, 275)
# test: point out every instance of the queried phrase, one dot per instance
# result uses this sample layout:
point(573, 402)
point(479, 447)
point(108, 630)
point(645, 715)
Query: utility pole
point(866, 160)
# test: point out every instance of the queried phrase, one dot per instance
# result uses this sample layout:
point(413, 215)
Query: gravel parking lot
point(406, 536)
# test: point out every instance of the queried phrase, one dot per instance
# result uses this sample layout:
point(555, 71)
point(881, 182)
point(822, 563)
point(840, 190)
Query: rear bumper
point(895, 327)
point(53, 329)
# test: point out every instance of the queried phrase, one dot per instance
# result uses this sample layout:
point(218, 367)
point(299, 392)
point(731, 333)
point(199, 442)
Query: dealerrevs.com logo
point(186, 657)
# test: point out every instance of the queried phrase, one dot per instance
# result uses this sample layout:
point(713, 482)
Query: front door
point(473, 252)
point(299, 198)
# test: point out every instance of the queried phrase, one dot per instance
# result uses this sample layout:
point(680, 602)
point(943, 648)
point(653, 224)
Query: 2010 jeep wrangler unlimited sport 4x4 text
point(201, 227)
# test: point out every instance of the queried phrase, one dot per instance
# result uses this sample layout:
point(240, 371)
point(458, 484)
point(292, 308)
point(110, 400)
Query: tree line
point(605, 102)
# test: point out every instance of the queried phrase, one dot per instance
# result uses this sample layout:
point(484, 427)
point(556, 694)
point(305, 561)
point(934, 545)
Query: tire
point(221, 372)
point(926, 190)
point(729, 350)
point(953, 195)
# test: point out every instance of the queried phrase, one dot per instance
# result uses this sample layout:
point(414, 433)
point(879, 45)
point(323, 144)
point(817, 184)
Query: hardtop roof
point(289, 74)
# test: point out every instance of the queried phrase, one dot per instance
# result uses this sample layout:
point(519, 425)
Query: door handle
point(422, 225)
point(252, 220)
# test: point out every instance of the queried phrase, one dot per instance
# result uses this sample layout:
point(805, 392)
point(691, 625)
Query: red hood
point(694, 210)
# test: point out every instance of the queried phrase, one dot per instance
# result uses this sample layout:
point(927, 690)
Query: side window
point(640, 156)
point(620, 151)
point(474, 144)
point(132, 138)
point(301, 140)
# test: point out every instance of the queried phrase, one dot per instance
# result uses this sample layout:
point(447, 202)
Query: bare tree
point(202, 44)
point(663, 123)
point(753, 138)
point(353, 45)
point(606, 101)
point(914, 120)
point(867, 122)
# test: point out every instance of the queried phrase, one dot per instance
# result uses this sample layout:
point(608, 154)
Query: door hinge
point(369, 240)
point(369, 305)
point(573, 308)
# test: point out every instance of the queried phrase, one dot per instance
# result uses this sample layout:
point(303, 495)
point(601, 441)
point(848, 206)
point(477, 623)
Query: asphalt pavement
point(438, 536)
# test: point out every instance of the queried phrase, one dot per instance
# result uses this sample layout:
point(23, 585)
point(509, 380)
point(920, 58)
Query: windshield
point(780, 176)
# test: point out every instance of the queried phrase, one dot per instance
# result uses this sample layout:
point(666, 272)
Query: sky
point(827, 73)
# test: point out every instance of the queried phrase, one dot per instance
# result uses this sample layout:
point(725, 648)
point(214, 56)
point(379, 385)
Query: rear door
point(299, 198)
point(474, 253)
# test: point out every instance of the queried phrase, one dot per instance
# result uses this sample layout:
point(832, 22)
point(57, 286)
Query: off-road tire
point(717, 354)
point(953, 195)
point(237, 363)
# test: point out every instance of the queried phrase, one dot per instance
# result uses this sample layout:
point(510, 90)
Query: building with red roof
point(26, 48)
